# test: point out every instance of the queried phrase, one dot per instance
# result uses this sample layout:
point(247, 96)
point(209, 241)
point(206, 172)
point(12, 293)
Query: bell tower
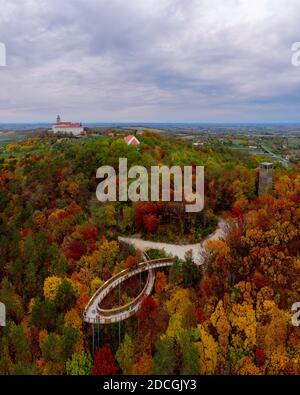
point(58, 119)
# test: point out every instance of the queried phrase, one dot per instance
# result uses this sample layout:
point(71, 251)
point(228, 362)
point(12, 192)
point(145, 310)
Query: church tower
point(58, 119)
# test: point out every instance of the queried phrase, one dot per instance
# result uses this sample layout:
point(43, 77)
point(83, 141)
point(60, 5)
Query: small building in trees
point(131, 140)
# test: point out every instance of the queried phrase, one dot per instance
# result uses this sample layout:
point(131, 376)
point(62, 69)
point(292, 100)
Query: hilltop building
point(131, 140)
point(265, 185)
point(75, 129)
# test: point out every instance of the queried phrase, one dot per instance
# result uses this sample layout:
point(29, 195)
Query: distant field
point(294, 143)
point(8, 137)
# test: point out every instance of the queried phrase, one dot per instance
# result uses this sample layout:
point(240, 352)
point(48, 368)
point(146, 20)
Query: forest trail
point(180, 250)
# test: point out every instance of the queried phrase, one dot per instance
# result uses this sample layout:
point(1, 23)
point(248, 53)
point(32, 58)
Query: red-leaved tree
point(201, 316)
point(150, 222)
point(75, 249)
point(130, 262)
point(148, 309)
point(104, 363)
point(89, 232)
point(146, 217)
point(260, 356)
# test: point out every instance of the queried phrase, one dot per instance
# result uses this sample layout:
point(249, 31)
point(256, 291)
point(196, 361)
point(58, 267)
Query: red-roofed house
point(131, 140)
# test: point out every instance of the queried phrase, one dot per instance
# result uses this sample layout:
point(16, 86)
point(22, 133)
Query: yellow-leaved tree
point(51, 285)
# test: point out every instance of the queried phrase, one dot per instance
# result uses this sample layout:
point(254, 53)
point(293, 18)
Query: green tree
point(19, 344)
point(52, 348)
point(125, 355)
point(43, 314)
point(175, 273)
point(127, 223)
point(68, 341)
point(12, 301)
point(80, 364)
point(165, 357)
point(24, 369)
point(66, 296)
point(190, 357)
point(6, 363)
point(190, 272)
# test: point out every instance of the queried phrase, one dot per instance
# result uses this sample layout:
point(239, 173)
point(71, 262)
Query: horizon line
point(161, 122)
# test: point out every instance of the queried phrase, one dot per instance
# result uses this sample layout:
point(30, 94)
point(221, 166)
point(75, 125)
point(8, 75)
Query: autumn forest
point(59, 244)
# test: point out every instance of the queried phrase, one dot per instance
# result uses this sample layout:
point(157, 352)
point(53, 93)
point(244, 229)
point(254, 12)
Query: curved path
point(93, 312)
point(177, 249)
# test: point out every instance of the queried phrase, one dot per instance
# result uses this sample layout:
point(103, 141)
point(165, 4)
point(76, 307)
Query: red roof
point(67, 125)
point(131, 140)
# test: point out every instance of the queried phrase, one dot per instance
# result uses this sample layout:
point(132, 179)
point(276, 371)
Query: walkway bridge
point(94, 314)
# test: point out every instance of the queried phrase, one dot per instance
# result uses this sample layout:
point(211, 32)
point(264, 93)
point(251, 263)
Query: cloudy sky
point(149, 60)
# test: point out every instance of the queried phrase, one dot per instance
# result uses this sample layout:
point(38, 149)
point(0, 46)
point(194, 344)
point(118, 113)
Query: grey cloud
point(149, 60)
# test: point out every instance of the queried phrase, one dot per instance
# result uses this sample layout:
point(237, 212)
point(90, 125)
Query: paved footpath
point(179, 250)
